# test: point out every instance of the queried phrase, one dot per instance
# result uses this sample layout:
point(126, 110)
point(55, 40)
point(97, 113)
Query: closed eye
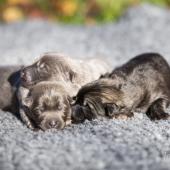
point(44, 69)
point(59, 108)
point(42, 65)
point(111, 109)
point(113, 105)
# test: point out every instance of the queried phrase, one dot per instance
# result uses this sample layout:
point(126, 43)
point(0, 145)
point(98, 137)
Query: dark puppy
point(9, 82)
point(140, 85)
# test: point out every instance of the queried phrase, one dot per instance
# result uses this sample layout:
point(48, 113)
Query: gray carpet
point(101, 144)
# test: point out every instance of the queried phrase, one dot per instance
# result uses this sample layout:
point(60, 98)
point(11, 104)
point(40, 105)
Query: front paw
point(157, 110)
point(158, 115)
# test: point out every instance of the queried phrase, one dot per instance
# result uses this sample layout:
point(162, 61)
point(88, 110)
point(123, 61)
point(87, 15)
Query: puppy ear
point(28, 101)
point(26, 119)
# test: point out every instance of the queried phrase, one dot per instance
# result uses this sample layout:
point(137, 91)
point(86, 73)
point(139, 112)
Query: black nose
point(25, 76)
point(53, 124)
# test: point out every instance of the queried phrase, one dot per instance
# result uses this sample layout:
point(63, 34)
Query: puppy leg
point(113, 111)
point(157, 110)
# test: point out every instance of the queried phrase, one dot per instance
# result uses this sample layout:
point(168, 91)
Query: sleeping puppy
point(57, 67)
point(46, 107)
point(9, 82)
point(71, 74)
point(140, 85)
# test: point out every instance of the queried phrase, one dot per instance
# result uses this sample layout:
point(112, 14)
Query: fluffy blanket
point(137, 143)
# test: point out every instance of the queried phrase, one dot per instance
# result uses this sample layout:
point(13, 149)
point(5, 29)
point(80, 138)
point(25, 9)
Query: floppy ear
point(24, 117)
point(27, 101)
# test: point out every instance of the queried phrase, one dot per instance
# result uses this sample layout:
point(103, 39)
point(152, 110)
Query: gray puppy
point(47, 105)
point(67, 76)
point(140, 85)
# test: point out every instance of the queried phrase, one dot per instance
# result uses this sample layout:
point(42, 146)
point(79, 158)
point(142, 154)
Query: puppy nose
point(53, 124)
point(25, 76)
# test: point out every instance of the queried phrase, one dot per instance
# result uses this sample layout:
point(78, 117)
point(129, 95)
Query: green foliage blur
point(69, 11)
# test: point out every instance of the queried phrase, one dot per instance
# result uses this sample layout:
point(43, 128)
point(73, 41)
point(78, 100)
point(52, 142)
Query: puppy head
point(48, 67)
point(47, 105)
point(99, 98)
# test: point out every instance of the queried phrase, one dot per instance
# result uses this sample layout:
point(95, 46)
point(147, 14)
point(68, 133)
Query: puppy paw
point(124, 116)
point(156, 115)
point(157, 110)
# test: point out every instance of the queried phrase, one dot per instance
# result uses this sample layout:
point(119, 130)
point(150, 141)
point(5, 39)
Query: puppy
point(9, 82)
point(57, 67)
point(46, 107)
point(140, 85)
point(71, 74)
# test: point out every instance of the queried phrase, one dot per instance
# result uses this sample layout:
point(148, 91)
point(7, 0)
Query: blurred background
point(69, 11)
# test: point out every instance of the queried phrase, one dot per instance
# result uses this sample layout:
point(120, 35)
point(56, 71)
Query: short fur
point(57, 67)
point(140, 85)
point(46, 107)
point(71, 74)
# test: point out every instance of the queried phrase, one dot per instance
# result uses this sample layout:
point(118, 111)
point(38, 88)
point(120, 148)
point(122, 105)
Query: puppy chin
point(44, 126)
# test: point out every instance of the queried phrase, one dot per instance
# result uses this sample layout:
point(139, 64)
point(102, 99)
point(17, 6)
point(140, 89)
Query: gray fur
point(140, 85)
point(135, 144)
point(63, 71)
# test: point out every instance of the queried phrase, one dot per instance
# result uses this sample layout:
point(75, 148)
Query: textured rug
point(136, 143)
